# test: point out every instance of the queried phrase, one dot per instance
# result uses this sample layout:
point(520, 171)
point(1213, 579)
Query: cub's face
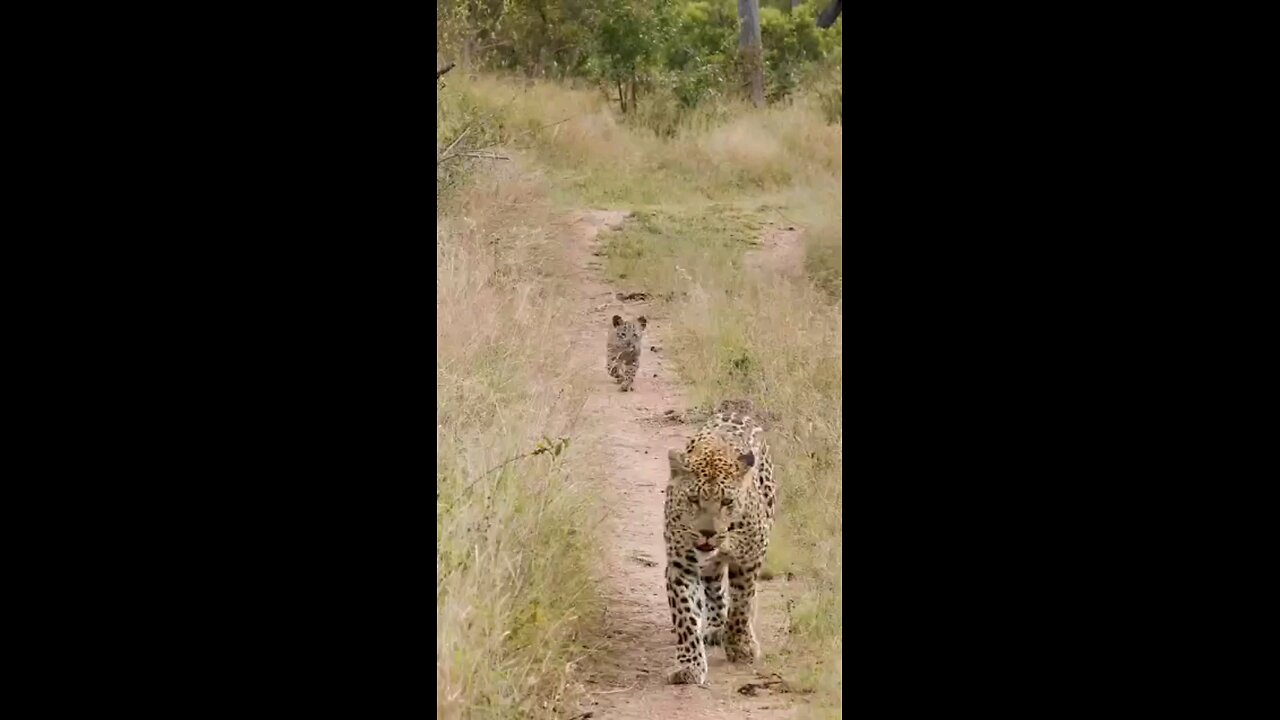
point(629, 331)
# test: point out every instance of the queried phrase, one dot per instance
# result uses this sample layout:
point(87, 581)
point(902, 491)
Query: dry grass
point(817, 209)
point(720, 154)
point(513, 541)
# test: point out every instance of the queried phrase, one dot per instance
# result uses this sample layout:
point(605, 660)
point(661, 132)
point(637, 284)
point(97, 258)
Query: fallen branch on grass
point(615, 690)
point(470, 154)
point(772, 682)
point(446, 69)
point(482, 155)
point(449, 153)
point(442, 156)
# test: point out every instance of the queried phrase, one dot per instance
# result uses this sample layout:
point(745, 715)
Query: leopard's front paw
point(742, 650)
point(688, 676)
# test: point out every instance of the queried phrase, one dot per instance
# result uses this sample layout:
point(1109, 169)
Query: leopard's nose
point(708, 534)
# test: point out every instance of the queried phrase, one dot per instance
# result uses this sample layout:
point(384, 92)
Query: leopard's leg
point(629, 375)
point(611, 363)
point(740, 643)
point(685, 596)
point(713, 584)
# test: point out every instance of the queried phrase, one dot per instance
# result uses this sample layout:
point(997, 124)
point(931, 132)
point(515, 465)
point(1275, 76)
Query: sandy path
point(628, 680)
point(781, 251)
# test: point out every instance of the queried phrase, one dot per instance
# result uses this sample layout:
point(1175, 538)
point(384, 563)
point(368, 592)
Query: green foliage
point(658, 58)
point(701, 51)
point(792, 45)
point(627, 39)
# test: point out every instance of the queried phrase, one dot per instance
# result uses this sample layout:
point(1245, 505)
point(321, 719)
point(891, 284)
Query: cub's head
point(710, 481)
point(629, 330)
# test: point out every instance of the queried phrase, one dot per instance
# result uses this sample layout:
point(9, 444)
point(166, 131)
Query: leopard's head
point(629, 331)
point(711, 481)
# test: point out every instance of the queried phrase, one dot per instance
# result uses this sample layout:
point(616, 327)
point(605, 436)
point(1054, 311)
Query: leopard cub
point(622, 352)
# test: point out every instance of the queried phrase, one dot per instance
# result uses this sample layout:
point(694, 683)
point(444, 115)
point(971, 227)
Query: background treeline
point(657, 60)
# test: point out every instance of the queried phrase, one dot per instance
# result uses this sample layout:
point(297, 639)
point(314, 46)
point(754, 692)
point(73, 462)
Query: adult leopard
point(719, 511)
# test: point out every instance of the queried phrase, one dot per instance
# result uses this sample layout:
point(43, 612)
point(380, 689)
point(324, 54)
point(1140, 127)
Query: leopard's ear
point(746, 461)
point(643, 322)
point(679, 464)
point(617, 320)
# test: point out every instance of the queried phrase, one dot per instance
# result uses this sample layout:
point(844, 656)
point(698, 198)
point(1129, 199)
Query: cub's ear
point(678, 466)
point(746, 461)
point(617, 320)
point(643, 323)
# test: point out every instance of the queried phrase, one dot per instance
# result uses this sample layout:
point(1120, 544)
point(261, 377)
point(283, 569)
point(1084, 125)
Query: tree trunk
point(750, 50)
point(573, 61)
point(828, 16)
point(796, 3)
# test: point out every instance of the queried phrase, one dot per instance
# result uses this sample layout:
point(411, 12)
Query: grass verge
point(720, 154)
point(514, 553)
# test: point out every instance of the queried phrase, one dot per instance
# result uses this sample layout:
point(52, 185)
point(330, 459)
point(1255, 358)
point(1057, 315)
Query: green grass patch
point(655, 248)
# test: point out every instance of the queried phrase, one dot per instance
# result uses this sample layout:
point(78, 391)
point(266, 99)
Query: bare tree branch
point(447, 151)
point(446, 69)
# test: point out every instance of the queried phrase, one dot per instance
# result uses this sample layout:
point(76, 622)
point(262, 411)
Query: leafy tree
point(678, 53)
point(628, 38)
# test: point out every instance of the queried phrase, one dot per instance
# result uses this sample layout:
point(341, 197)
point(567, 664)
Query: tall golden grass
point(720, 153)
point(515, 517)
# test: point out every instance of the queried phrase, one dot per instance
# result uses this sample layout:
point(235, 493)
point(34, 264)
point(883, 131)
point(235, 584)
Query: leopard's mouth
point(705, 547)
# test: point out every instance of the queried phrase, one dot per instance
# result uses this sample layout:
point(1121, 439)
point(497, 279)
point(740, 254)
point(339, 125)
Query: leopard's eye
point(727, 502)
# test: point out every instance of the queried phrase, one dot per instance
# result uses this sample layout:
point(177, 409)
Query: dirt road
point(628, 680)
